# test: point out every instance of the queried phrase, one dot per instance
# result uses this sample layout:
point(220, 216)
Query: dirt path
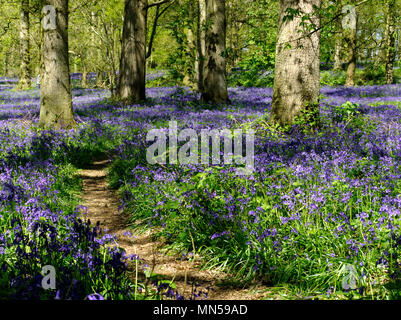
point(102, 203)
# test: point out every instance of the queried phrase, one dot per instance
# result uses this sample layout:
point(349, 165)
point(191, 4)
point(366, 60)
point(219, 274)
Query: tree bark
point(188, 77)
point(297, 67)
point(338, 45)
point(84, 83)
point(200, 44)
point(99, 79)
point(215, 84)
point(24, 72)
point(131, 83)
point(390, 41)
point(350, 36)
point(56, 101)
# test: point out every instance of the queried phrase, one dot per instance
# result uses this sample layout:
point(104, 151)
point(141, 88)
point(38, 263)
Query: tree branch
point(323, 25)
point(152, 35)
point(154, 27)
point(157, 3)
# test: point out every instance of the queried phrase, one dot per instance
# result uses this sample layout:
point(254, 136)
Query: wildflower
point(95, 296)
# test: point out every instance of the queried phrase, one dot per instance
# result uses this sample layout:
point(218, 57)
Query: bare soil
point(103, 204)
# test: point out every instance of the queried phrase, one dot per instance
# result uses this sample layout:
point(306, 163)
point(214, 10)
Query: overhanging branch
point(157, 3)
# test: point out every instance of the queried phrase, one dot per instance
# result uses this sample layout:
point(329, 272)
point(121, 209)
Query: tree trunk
point(350, 36)
point(24, 72)
point(189, 75)
point(56, 101)
point(99, 79)
point(390, 41)
point(200, 44)
point(215, 85)
point(297, 68)
point(84, 75)
point(131, 83)
point(5, 70)
point(338, 46)
point(337, 55)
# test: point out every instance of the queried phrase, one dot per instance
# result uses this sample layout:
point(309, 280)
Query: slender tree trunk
point(297, 69)
point(84, 74)
point(14, 49)
point(390, 40)
point(131, 83)
point(350, 36)
point(24, 73)
point(338, 46)
point(84, 79)
point(188, 77)
point(99, 79)
point(215, 85)
point(56, 101)
point(6, 59)
point(200, 44)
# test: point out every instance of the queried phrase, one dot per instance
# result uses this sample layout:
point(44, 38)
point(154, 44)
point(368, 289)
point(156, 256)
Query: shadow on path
point(103, 203)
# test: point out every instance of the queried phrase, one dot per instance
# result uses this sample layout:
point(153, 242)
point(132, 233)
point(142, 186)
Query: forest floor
point(103, 203)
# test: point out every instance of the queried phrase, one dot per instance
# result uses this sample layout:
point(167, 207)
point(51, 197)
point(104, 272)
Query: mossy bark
point(214, 83)
point(350, 36)
point(390, 41)
point(297, 66)
point(24, 73)
point(56, 101)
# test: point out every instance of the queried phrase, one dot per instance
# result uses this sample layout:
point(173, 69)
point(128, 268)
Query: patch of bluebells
point(37, 226)
point(336, 191)
point(315, 201)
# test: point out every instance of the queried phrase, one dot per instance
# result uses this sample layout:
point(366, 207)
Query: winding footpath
point(103, 203)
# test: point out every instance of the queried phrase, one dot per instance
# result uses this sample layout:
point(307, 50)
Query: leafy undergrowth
point(42, 223)
point(319, 216)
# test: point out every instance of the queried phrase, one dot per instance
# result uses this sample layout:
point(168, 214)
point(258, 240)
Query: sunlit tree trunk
point(350, 36)
point(99, 79)
point(24, 73)
point(84, 75)
point(131, 83)
point(338, 45)
point(191, 77)
point(297, 68)
point(215, 84)
point(188, 77)
point(56, 101)
point(390, 41)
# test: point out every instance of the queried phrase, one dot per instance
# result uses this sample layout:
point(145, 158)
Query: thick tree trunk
point(297, 69)
point(390, 41)
point(24, 73)
point(215, 85)
point(350, 81)
point(131, 83)
point(350, 36)
point(56, 101)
